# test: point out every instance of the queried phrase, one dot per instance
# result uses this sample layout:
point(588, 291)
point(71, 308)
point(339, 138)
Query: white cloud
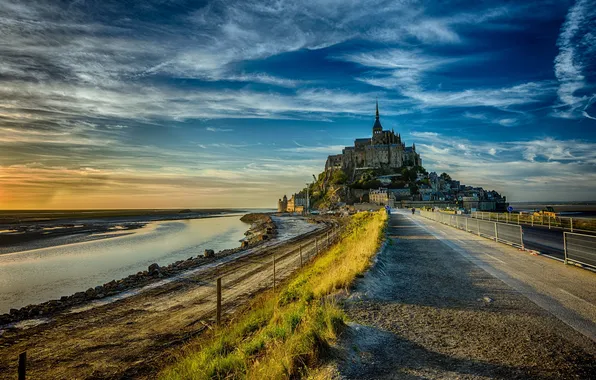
point(327, 149)
point(570, 62)
point(215, 129)
point(509, 122)
point(527, 93)
point(539, 170)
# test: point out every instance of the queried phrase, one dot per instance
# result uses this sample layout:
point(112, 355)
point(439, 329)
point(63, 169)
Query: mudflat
point(134, 336)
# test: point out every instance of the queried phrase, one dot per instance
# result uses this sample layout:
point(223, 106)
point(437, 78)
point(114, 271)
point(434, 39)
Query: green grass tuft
point(286, 335)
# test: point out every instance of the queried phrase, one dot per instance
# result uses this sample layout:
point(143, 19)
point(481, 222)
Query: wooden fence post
point(218, 309)
point(22, 365)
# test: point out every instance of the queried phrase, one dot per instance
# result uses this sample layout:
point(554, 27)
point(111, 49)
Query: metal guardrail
point(499, 232)
point(562, 222)
point(580, 248)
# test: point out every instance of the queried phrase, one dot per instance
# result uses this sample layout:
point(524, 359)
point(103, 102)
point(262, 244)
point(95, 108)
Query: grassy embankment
point(286, 334)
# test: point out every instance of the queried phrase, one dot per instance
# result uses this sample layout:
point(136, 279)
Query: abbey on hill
point(383, 150)
point(381, 170)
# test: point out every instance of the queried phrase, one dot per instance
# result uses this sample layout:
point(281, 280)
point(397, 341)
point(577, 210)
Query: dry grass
point(285, 335)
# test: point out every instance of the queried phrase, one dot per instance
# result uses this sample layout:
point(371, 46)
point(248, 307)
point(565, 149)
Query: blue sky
point(107, 104)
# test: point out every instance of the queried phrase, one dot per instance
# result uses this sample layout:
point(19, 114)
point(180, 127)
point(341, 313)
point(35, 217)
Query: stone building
point(382, 197)
point(384, 149)
point(297, 203)
point(282, 204)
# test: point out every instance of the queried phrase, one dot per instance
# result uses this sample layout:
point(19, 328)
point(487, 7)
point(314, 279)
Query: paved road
point(443, 303)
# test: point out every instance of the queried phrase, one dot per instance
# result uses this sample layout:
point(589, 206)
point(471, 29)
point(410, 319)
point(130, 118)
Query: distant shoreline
point(9, 217)
point(38, 234)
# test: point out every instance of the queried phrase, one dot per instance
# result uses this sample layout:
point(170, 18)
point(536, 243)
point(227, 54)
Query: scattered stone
point(154, 269)
point(209, 253)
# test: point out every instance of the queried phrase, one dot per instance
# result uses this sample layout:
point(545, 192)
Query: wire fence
point(565, 223)
point(580, 248)
point(499, 232)
point(263, 270)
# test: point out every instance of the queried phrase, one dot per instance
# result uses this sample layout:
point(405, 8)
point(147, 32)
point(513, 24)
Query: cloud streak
point(538, 170)
point(571, 63)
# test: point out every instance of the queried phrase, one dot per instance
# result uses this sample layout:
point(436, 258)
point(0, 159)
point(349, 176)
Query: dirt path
point(126, 339)
point(428, 309)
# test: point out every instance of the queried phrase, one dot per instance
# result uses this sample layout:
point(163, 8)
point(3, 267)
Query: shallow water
point(40, 275)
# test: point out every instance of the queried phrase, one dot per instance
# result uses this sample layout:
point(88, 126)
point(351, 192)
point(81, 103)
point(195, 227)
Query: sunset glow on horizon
point(234, 104)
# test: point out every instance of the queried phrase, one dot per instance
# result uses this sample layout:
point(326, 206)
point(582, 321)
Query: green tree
point(444, 176)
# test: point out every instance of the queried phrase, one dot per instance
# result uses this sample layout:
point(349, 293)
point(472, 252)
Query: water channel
point(38, 275)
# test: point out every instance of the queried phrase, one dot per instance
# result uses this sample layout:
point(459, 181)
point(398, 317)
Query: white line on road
point(499, 260)
point(576, 297)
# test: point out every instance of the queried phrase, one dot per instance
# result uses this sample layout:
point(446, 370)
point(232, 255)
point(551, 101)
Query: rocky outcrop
point(262, 228)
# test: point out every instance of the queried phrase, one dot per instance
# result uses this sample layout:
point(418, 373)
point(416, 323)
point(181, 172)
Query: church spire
point(377, 116)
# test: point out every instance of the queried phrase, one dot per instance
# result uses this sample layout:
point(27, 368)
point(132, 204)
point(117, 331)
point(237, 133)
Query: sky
point(190, 104)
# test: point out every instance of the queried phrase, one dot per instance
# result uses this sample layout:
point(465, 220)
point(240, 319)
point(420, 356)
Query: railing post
point(532, 220)
point(22, 365)
point(565, 246)
point(466, 224)
point(549, 222)
point(521, 238)
point(218, 306)
point(478, 227)
point(571, 221)
point(518, 219)
point(496, 233)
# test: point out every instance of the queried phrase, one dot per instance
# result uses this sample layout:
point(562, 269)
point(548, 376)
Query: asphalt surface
point(443, 303)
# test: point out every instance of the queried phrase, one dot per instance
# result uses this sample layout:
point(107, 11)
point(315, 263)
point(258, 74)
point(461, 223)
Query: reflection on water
point(49, 273)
